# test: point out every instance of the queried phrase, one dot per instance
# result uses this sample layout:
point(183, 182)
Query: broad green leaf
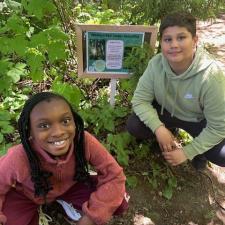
point(35, 59)
point(4, 45)
point(56, 51)
point(38, 7)
point(36, 74)
point(4, 65)
point(4, 147)
point(16, 24)
point(172, 181)
point(7, 129)
point(19, 44)
point(132, 181)
point(38, 40)
point(168, 192)
point(15, 6)
point(71, 93)
point(122, 157)
point(55, 34)
point(4, 115)
point(4, 84)
point(16, 72)
point(1, 138)
point(109, 125)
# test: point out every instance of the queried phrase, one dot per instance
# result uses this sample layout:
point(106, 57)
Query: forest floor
point(197, 195)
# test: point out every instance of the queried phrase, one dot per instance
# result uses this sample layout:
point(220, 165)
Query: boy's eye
point(167, 39)
point(181, 38)
point(43, 125)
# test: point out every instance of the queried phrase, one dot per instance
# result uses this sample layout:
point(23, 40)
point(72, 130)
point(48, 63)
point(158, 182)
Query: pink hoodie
point(15, 173)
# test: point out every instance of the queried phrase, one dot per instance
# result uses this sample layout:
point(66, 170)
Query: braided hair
point(39, 177)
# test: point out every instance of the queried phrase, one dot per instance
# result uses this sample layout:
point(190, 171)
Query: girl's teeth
point(58, 142)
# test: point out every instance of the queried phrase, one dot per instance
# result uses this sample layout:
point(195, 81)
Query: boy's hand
point(175, 157)
point(165, 139)
point(85, 220)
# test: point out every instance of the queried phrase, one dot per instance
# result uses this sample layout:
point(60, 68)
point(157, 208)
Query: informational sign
point(106, 51)
point(102, 49)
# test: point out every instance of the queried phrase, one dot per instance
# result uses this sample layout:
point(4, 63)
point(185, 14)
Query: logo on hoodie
point(188, 96)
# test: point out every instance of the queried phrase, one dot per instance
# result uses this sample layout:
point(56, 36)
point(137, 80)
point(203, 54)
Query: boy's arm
point(213, 99)
point(143, 98)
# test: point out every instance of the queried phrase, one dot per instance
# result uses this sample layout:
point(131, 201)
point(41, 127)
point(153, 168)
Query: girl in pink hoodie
point(51, 163)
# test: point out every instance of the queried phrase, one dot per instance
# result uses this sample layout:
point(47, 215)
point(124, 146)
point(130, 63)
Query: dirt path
point(212, 36)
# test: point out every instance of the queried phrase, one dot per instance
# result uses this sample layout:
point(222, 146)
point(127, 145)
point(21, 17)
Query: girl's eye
point(66, 121)
point(43, 125)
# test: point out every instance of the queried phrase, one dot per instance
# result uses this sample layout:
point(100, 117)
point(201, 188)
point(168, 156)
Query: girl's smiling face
point(178, 46)
point(52, 126)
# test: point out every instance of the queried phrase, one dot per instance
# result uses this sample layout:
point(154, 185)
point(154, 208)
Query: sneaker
point(199, 162)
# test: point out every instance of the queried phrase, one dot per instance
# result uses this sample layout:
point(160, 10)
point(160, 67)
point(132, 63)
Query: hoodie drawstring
point(164, 97)
point(175, 100)
point(44, 219)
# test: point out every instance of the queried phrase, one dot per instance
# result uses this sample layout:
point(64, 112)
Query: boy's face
point(178, 46)
point(52, 126)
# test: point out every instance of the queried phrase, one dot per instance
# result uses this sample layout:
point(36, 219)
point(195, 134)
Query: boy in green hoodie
point(182, 87)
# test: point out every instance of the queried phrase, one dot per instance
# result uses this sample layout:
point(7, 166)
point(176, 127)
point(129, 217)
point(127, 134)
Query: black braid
point(40, 177)
point(82, 174)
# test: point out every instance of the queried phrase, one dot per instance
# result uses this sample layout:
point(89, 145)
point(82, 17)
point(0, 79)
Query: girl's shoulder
point(15, 155)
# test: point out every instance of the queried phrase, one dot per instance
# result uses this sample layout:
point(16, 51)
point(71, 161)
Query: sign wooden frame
point(150, 36)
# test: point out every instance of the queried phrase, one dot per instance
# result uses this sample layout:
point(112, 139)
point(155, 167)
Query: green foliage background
point(38, 52)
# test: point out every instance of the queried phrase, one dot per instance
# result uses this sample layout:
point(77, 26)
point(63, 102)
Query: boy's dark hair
point(40, 177)
point(179, 19)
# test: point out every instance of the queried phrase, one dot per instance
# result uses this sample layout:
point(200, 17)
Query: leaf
point(7, 129)
point(4, 45)
point(122, 156)
point(4, 84)
point(1, 138)
point(19, 44)
point(109, 124)
point(38, 7)
point(56, 34)
point(4, 115)
point(15, 6)
point(71, 93)
point(4, 65)
point(56, 51)
point(16, 72)
point(132, 181)
point(16, 24)
point(172, 182)
point(38, 40)
point(34, 58)
point(167, 193)
point(36, 75)
point(3, 148)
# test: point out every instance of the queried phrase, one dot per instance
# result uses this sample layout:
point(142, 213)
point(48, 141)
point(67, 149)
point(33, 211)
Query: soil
point(197, 197)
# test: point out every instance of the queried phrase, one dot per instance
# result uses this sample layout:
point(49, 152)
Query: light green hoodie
point(196, 94)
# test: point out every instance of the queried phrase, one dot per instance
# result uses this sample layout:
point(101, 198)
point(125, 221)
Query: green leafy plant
point(5, 129)
point(118, 144)
point(132, 181)
point(136, 62)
